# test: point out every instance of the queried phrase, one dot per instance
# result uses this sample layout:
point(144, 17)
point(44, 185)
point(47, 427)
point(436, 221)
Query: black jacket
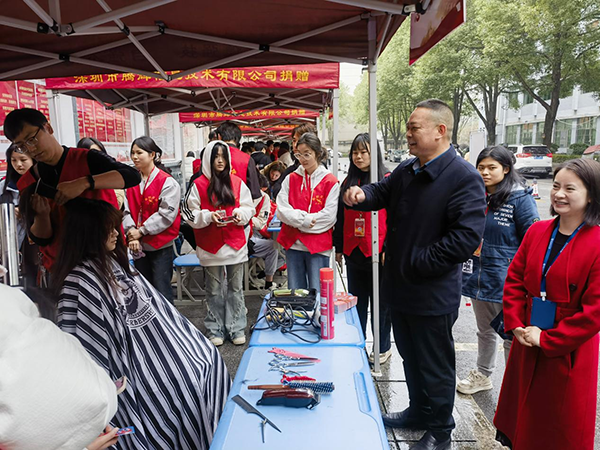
point(435, 222)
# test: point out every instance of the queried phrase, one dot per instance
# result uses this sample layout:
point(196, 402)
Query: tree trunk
point(457, 103)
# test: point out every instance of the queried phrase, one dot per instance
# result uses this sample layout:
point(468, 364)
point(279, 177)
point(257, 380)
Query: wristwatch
point(90, 179)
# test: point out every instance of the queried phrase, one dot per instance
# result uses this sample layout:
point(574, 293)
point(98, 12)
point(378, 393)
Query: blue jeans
point(157, 268)
point(303, 269)
point(226, 311)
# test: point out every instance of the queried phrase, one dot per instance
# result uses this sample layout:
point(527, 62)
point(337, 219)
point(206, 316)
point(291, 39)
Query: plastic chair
point(182, 266)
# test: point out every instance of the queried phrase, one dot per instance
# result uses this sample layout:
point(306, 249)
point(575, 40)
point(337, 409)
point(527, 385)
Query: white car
point(532, 159)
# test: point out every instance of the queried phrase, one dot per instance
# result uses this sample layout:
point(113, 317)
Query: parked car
point(400, 155)
point(532, 159)
point(330, 153)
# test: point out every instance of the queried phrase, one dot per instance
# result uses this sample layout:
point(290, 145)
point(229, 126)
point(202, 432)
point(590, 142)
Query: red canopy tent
point(151, 37)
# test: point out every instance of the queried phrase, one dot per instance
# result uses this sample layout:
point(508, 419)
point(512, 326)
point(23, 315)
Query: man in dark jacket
point(436, 217)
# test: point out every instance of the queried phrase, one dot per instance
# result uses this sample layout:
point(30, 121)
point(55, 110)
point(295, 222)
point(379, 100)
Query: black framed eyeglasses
point(29, 143)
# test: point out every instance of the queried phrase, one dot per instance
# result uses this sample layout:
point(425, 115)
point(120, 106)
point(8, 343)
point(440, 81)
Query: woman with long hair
point(152, 216)
point(218, 206)
point(177, 381)
point(511, 211)
point(307, 207)
point(18, 165)
point(552, 308)
point(352, 238)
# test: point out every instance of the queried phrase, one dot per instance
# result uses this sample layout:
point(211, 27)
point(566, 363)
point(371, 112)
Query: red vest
point(272, 208)
point(312, 202)
point(213, 237)
point(239, 163)
point(142, 208)
point(76, 166)
point(196, 165)
point(363, 243)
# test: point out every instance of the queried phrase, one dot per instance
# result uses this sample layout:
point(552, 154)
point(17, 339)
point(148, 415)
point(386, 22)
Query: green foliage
point(554, 147)
point(561, 158)
point(578, 148)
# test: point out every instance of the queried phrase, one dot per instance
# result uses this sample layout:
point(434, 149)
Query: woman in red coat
point(548, 396)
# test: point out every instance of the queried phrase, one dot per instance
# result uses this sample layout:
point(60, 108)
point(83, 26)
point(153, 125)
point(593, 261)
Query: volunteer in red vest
point(151, 219)
point(60, 174)
point(242, 165)
point(219, 207)
point(352, 238)
point(307, 207)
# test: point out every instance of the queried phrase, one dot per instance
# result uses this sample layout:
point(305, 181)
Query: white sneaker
point(475, 382)
point(239, 340)
point(216, 341)
point(383, 357)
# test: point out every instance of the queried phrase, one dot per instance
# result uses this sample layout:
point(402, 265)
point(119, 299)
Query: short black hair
point(284, 145)
point(269, 142)
point(16, 120)
point(212, 136)
point(230, 132)
point(588, 171)
point(259, 147)
point(276, 144)
point(87, 142)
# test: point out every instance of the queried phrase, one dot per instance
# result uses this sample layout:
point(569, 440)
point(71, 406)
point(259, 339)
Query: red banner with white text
point(212, 116)
point(305, 76)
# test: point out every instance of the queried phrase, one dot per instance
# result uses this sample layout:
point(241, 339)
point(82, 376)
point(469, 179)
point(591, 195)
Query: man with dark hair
point(258, 155)
point(241, 164)
point(212, 136)
point(436, 217)
point(60, 174)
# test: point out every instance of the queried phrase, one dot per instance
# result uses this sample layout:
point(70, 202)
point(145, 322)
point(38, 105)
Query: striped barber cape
point(177, 381)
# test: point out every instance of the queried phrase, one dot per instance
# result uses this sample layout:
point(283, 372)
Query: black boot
point(429, 442)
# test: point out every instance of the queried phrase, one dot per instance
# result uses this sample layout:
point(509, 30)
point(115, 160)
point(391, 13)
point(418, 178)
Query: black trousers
point(157, 268)
point(360, 283)
point(427, 348)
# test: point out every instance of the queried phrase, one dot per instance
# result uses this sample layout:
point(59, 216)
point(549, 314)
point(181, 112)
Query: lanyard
point(547, 257)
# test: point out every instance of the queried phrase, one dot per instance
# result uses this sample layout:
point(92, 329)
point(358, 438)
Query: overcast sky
point(350, 75)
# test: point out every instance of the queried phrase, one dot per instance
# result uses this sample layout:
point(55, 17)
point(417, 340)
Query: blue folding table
point(349, 418)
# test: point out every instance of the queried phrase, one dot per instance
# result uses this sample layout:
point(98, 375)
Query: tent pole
point(335, 137)
point(372, 29)
point(334, 145)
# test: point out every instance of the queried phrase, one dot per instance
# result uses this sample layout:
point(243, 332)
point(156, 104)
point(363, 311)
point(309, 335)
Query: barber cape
point(52, 394)
point(178, 382)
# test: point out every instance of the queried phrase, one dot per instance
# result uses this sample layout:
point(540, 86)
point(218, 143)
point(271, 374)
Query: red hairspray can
point(327, 299)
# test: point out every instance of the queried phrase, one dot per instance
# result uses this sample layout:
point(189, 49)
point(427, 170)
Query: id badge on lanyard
point(543, 311)
point(359, 226)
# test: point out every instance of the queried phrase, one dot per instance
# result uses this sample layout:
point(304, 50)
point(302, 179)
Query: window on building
point(539, 133)
point(511, 134)
point(527, 98)
point(586, 130)
point(527, 134)
point(513, 99)
point(562, 133)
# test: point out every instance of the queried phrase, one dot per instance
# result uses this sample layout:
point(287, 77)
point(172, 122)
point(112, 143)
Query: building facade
point(577, 120)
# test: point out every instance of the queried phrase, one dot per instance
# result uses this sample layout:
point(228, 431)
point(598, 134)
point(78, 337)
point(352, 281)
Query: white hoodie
point(52, 394)
point(199, 218)
point(297, 218)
